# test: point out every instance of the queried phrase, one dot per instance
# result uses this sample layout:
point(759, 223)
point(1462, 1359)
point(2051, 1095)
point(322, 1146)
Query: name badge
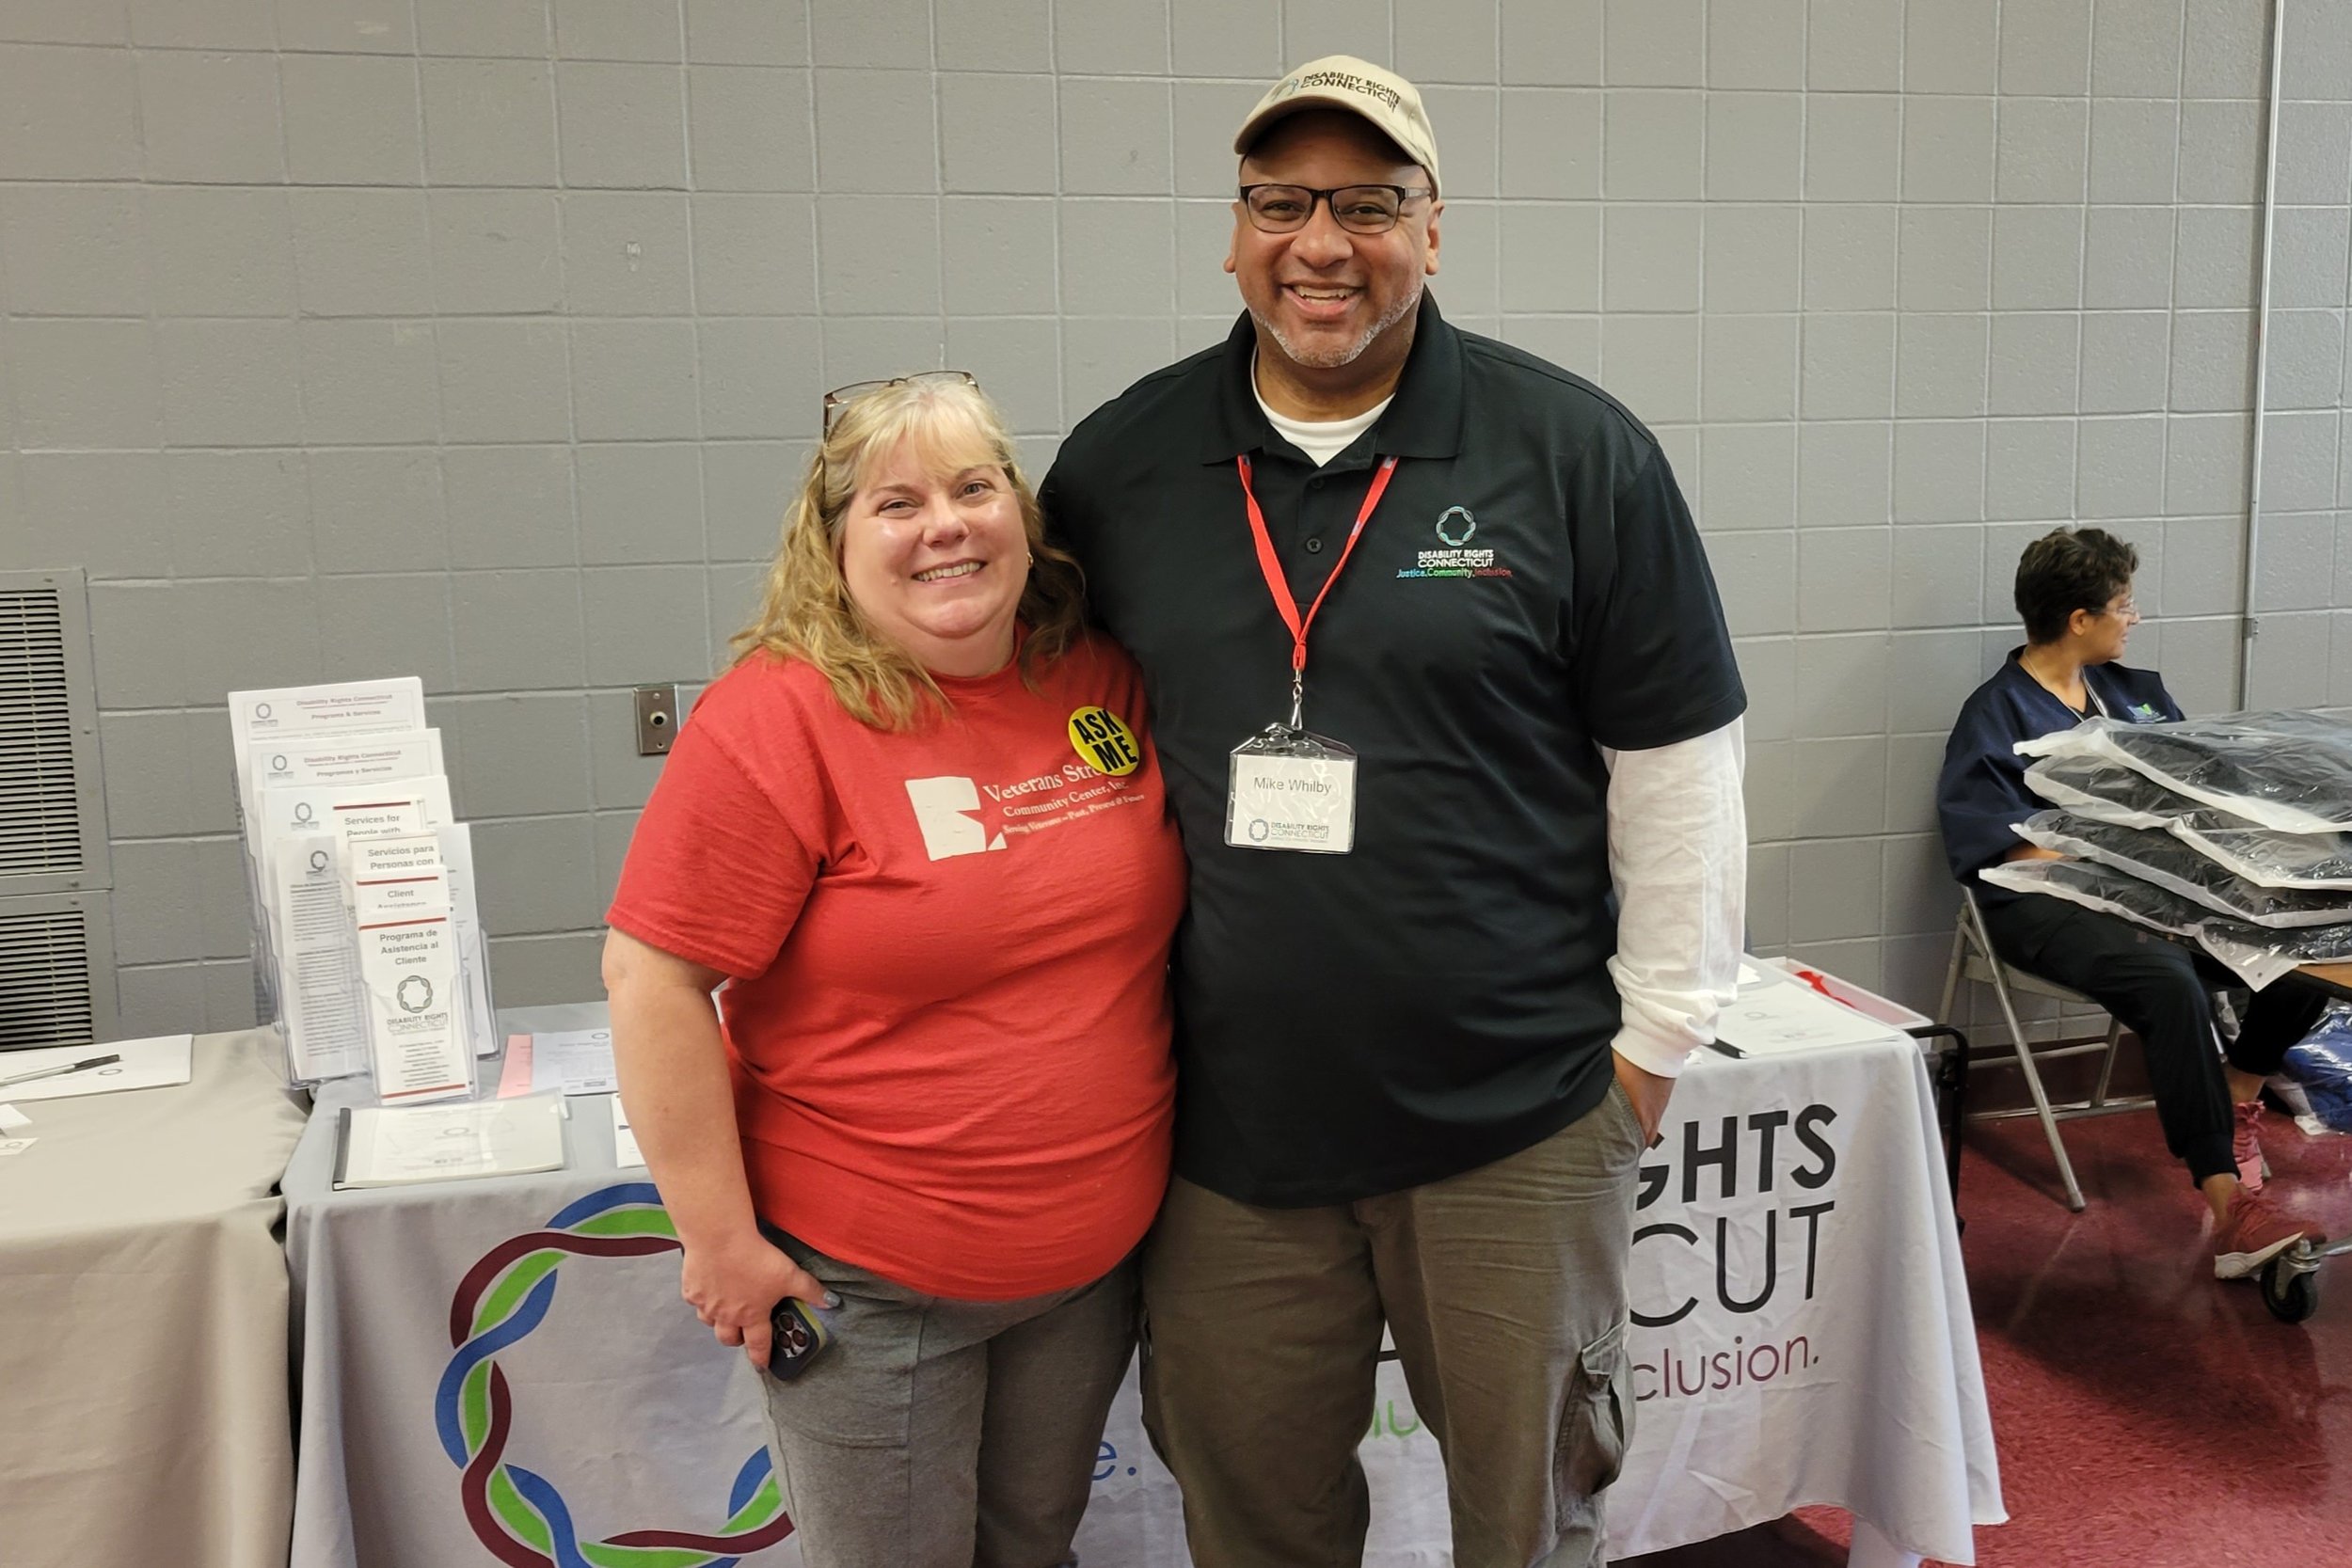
point(1292, 789)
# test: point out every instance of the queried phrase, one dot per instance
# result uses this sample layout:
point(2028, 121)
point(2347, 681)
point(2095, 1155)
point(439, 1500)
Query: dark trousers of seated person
point(2162, 993)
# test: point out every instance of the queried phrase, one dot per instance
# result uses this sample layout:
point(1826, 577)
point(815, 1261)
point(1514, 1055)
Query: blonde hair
point(807, 612)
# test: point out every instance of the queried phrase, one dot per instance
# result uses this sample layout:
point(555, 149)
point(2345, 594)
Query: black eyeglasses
point(1358, 209)
point(841, 396)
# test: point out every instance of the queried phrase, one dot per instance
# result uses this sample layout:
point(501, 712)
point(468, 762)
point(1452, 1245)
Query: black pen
point(82, 1065)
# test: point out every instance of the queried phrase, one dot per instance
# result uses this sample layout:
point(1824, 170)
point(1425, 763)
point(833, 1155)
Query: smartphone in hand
point(800, 1337)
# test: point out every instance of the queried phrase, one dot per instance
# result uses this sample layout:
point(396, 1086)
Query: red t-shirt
point(948, 949)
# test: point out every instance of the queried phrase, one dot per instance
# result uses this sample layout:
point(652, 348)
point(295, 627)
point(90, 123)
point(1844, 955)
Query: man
point(1435, 659)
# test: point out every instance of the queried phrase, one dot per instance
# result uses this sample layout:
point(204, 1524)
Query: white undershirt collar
point(1321, 439)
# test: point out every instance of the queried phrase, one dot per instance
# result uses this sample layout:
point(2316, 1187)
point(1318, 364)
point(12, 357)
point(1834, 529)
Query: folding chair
point(1973, 959)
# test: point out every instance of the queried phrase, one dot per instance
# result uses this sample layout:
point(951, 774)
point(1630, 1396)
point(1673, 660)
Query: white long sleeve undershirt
point(1678, 859)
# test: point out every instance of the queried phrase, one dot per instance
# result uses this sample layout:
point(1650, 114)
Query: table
point(143, 1299)
point(1812, 1183)
point(498, 1370)
point(2335, 979)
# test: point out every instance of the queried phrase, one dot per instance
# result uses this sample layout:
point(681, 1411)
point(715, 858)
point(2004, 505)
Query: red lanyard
point(1278, 584)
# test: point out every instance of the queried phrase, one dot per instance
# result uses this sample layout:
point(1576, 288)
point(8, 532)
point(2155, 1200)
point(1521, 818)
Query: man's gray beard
point(1331, 359)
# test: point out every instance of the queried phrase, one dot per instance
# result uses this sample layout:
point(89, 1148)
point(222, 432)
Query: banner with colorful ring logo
point(518, 1516)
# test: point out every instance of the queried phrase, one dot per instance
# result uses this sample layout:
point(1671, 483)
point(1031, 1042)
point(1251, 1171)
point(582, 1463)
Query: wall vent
point(56, 936)
point(51, 830)
point(56, 970)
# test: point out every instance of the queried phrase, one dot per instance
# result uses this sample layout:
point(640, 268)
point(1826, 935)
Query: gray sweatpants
point(942, 1434)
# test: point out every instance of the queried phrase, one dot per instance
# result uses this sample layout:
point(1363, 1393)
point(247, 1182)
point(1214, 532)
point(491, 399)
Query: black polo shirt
point(1530, 588)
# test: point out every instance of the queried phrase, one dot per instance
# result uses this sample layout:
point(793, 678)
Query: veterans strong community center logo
point(518, 1514)
point(958, 816)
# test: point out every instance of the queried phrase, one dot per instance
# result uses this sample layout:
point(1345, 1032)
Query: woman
point(919, 836)
point(2075, 592)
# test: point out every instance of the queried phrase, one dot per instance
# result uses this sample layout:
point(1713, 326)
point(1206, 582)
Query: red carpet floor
point(2146, 1414)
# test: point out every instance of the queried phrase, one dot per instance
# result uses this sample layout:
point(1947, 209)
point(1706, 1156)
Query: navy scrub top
point(1981, 794)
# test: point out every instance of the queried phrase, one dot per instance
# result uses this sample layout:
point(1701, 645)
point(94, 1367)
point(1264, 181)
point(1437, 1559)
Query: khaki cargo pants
point(1504, 1291)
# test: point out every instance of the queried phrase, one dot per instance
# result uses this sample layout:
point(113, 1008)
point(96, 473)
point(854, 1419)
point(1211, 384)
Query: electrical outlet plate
point(657, 719)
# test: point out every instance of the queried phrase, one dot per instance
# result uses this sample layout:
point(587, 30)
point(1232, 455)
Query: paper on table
point(412, 893)
point(327, 1029)
point(12, 1119)
point(344, 760)
point(282, 715)
point(400, 865)
point(1862, 999)
point(282, 822)
point(624, 1151)
point(576, 1061)
point(346, 708)
point(147, 1064)
point(1778, 1013)
point(348, 812)
point(310, 712)
point(408, 975)
point(386, 1145)
point(15, 1146)
point(391, 857)
point(514, 1073)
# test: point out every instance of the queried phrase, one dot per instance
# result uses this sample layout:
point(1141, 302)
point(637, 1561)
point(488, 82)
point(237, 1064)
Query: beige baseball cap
point(1391, 102)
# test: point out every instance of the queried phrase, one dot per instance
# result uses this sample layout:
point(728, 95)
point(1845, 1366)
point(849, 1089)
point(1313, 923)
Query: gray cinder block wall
point(482, 337)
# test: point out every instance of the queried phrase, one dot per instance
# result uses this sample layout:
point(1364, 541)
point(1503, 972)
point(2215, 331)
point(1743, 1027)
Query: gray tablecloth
point(500, 1370)
point(143, 1323)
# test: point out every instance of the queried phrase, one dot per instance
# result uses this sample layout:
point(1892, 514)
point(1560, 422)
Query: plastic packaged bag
point(2258, 954)
point(2107, 791)
point(2320, 1069)
point(2166, 860)
point(2261, 953)
point(2101, 888)
point(2290, 771)
point(2319, 862)
point(2103, 791)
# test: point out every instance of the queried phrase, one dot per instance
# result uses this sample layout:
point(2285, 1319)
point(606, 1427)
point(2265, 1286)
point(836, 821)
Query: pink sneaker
point(2252, 1169)
point(2253, 1232)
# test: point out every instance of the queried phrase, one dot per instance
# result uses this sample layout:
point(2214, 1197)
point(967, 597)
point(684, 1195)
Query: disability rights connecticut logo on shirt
point(1460, 558)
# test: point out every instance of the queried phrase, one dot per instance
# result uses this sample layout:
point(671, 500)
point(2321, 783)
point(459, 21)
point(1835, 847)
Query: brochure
point(1775, 1014)
point(408, 975)
point(68, 1072)
point(386, 1145)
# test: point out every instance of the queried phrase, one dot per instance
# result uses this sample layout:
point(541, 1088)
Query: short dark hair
point(2070, 569)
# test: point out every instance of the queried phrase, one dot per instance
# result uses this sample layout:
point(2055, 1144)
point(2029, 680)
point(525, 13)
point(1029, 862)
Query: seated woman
point(918, 833)
point(2075, 592)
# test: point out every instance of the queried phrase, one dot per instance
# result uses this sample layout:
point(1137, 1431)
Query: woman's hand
point(734, 1287)
point(673, 1075)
